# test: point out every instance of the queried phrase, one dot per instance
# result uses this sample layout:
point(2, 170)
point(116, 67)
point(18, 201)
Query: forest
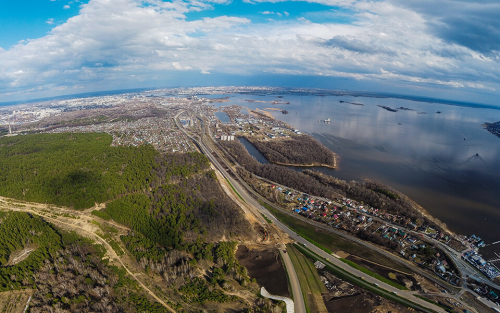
point(77, 170)
point(295, 150)
point(74, 170)
point(65, 270)
point(376, 195)
point(279, 174)
point(173, 204)
point(174, 213)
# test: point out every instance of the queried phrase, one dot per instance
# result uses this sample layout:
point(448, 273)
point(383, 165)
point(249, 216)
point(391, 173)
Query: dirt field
point(14, 301)
point(264, 264)
point(344, 297)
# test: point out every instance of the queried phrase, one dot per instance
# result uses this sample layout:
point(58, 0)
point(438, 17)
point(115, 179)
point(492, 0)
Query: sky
point(447, 49)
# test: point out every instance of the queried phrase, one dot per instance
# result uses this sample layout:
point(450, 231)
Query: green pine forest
point(173, 204)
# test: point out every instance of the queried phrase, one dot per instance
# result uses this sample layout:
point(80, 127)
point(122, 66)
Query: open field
point(310, 283)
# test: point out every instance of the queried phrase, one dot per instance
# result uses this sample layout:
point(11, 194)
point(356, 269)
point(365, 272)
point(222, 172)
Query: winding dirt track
point(82, 224)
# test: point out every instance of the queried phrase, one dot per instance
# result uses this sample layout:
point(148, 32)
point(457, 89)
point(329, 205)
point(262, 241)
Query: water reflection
point(223, 117)
point(446, 162)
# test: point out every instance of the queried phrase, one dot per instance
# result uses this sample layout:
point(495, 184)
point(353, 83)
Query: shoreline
point(307, 165)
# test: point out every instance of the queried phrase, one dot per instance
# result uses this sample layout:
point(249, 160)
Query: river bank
point(425, 158)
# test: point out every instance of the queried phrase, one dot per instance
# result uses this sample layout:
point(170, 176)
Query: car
point(376, 284)
point(284, 251)
point(394, 292)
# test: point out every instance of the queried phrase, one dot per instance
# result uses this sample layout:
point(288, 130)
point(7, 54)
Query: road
point(390, 289)
point(294, 282)
point(258, 209)
point(251, 204)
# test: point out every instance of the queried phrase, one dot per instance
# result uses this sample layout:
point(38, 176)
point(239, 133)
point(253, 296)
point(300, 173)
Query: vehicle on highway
point(394, 292)
point(496, 310)
point(284, 251)
point(376, 284)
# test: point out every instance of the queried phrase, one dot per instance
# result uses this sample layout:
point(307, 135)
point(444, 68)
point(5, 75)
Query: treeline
point(74, 170)
point(279, 174)
point(298, 150)
point(376, 195)
point(66, 271)
point(77, 170)
point(316, 183)
point(172, 213)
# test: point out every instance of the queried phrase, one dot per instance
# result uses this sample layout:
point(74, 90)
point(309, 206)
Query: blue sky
point(25, 19)
point(443, 49)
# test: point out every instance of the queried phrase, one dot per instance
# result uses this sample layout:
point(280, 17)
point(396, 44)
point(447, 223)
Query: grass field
point(310, 283)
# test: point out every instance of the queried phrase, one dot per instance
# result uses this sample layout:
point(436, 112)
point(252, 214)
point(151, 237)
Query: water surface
point(439, 155)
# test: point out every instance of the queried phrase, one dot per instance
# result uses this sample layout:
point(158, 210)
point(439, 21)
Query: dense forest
point(173, 204)
point(78, 170)
point(173, 213)
point(298, 150)
point(66, 271)
point(74, 170)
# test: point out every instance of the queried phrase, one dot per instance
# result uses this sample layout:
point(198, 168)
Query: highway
point(258, 209)
point(299, 304)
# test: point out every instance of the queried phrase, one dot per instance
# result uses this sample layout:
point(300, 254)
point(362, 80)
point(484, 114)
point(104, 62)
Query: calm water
point(223, 117)
point(446, 162)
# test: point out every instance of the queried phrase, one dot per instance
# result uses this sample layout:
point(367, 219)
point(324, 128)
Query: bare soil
point(457, 245)
point(345, 297)
point(20, 255)
point(264, 264)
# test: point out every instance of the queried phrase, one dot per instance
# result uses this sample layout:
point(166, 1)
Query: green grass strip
point(303, 234)
point(374, 275)
point(235, 190)
point(300, 231)
point(304, 286)
point(267, 220)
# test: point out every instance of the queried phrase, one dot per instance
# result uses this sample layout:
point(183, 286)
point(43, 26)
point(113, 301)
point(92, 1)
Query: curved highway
point(258, 209)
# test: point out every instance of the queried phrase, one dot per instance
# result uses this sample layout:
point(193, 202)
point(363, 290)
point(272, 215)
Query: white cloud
point(50, 21)
point(115, 40)
point(66, 6)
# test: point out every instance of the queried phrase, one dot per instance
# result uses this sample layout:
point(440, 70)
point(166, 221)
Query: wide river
point(447, 162)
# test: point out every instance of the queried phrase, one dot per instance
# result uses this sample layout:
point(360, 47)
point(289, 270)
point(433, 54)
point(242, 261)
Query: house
point(493, 295)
